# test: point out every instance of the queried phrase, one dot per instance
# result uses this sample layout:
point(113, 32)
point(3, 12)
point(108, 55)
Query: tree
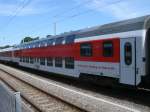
point(28, 39)
point(4, 47)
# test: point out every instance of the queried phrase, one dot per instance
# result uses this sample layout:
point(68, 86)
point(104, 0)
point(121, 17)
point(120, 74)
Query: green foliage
point(28, 39)
point(4, 47)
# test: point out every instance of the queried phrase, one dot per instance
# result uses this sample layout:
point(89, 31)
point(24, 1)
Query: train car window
point(34, 60)
point(41, 44)
point(128, 53)
point(28, 46)
point(27, 59)
point(37, 44)
point(37, 60)
point(50, 61)
point(86, 49)
point(69, 62)
point(32, 45)
point(50, 42)
point(70, 39)
point(31, 60)
point(42, 61)
point(59, 40)
point(21, 59)
point(24, 60)
point(58, 62)
point(108, 49)
point(45, 43)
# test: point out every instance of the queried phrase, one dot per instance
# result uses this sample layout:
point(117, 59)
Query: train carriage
point(118, 50)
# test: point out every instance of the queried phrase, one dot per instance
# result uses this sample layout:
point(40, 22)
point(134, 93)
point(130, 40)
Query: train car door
point(128, 61)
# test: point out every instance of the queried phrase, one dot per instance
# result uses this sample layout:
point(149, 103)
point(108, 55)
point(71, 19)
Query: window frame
point(49, 61)
point(58, 62)
point(42, 61)
point(27, 60)
point(59, 40)
point(50, 42)
point(70, 39)
point(128, 59)
point(31, 60)
point(104, 49)
point(69, 62)
point(21, 59)
point(84, 53)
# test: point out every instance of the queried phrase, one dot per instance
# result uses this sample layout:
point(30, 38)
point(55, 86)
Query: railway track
point(25, 105)
point(39, 99)
point(65, 98)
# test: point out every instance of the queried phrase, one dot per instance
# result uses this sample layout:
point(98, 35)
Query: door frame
point(123, 60)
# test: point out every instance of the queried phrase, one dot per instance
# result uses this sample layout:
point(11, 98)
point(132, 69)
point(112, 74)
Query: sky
point(36, 18)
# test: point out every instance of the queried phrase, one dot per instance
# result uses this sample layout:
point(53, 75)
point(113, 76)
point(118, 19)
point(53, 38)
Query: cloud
point(119, 9)
point(35, 7)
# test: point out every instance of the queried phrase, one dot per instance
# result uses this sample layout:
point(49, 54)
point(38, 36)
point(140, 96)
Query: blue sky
point(37, 18)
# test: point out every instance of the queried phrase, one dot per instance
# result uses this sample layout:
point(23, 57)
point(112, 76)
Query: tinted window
point(58, 62)
point(59, 40)
point(50, 42)
point(31, 46)
point(107, 49)
point(42, 43)
point(37, 60)
point(37, 44)
point(49, 61)
point(128, 53)
point(42, 61)
point(70, 39)
point(21, 59)
point(69, 62)
point(86, 49)
point(27, 59)
point(31, 60)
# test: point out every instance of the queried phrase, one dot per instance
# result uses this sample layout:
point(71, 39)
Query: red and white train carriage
point(118, 50)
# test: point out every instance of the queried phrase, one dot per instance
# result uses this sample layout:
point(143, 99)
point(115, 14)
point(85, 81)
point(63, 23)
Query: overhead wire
point(71, 9)
point(24, 3)
point(68, 10)
point(83, 12)
point(78, 14)
point(86, 11)
point(11, 16)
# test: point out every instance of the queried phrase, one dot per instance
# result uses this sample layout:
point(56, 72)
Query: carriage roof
point(115, 27)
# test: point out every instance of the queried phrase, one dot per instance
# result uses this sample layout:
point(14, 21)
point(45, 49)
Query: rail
point(32, 88)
